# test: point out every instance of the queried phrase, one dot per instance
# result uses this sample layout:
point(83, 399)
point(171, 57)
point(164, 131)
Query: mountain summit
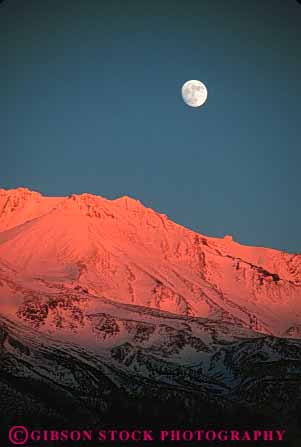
point(122, 251)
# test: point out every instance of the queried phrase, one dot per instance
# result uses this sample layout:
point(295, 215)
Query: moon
point(194, 93)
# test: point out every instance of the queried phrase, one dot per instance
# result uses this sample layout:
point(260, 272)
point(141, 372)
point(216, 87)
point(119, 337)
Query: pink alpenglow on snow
point(123, 251)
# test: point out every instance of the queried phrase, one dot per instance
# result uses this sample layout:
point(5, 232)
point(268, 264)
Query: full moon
point(194, 93)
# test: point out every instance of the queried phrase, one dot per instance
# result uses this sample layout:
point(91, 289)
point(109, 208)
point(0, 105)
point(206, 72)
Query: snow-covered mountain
point(129, 365)
point(123, 251)
point(113, 315)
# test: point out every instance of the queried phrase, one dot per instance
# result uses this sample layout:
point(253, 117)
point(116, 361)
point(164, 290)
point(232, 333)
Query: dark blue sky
point(90, 102)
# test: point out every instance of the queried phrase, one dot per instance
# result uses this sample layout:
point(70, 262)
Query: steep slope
point(134, 371)
point(119, 249)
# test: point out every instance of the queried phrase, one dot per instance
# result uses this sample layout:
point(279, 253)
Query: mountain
point(112, 315)
point(134, 365)
point(125, 252)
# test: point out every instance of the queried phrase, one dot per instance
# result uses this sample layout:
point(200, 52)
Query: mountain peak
point(88, 204)
point(14, 199)
point(22, 204)
point(130, 203)
point(228, 238)
point(124, 251)
point(20, 192)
